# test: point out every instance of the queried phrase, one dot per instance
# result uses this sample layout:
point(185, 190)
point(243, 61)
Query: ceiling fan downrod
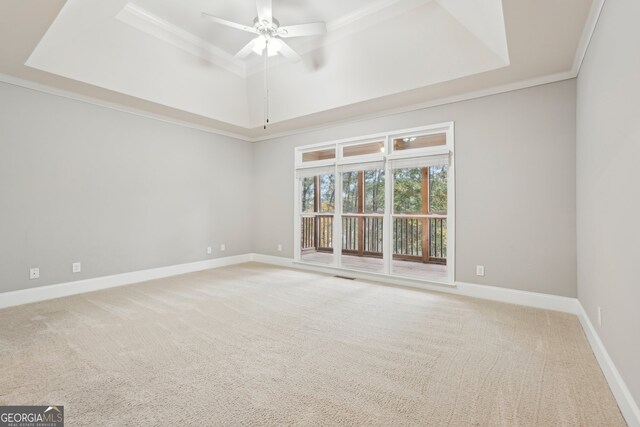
point(266, 85)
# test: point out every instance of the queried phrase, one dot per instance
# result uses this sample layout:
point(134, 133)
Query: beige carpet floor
point(259, 345)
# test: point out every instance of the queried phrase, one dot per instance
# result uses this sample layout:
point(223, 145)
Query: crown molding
point(244, 137)
point(28, 84)
point(587, 34)
point(143, 20)
point(539, 81)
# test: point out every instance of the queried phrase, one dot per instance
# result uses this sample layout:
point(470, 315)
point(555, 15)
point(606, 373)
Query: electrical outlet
point(209, 250)
point(34, 273)
point(599, 316)
point(223, 247)
point(280, 247)
point(76, 267)
point(479, 270)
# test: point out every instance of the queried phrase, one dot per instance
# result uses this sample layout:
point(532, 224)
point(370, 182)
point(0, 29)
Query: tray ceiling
point(161, 56)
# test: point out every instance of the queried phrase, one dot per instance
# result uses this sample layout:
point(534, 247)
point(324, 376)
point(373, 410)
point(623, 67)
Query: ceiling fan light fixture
point(259, 45)
point(274, 47)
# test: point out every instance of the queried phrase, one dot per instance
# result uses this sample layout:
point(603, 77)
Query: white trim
point(493, 293)
point(539, 81)
point(26, 296)
point(273, 260)
point(587, 34)
point(143, 20)
point(482, 93)
point(39, 87)
point(518, 297)
point(627, 404)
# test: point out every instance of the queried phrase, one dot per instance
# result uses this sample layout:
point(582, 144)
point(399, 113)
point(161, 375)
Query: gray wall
point(119, 192)
point(115, 191)
point(515, 184)
point(608, 185)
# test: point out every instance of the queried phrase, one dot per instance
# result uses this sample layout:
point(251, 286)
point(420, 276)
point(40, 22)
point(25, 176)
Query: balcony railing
point(362, 235)
point(317, 233)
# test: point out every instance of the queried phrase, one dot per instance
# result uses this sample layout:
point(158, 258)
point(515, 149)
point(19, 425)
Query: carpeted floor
point(259, 345)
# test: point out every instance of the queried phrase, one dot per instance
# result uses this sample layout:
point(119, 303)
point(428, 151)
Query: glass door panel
point(317, 218)
point(419, 223)
point(363, 195)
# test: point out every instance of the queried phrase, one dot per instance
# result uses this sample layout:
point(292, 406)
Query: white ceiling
point(160, 56)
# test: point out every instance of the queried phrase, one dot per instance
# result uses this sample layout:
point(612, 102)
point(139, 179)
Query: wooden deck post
point(425, 211)
point(316, 209)
point(360, 210)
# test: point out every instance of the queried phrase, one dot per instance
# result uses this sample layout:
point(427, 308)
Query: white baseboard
point(273, 260)
point(627, 404)
point(513, 296)
point(25, 296)
point(623, 396)
point(494, 293)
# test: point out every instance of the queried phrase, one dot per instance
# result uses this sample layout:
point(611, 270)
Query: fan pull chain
point(266, 85)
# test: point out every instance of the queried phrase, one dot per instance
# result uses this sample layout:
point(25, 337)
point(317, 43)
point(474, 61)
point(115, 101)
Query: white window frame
point(386, 156)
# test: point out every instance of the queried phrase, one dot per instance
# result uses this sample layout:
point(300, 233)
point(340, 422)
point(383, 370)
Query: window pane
point(312, 156)
point(438, 189)
point(350, 192)
point(308, 191)
point(374, 191)
point(316, 238)
point(424, 141)
point(407, 190)
point(362, 149)
point(327, 193)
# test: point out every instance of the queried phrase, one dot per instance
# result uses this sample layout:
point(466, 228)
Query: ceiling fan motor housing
point(267, 29)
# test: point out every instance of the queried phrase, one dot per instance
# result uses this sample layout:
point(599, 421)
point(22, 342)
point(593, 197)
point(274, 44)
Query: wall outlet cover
point(34, 273)
point(223, 247)
point(76, 267)
point(479, 270)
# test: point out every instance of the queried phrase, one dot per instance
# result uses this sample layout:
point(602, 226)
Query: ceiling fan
point(270, 34)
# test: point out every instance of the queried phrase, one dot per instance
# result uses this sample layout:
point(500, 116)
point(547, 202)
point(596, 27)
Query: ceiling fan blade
point(265, 10)
point(247, 49)
point(229, 23)
point(285, 50)
point(313, 29)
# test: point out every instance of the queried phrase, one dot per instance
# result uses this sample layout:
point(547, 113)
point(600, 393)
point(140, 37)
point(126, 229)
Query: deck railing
point(415, 238)
point(317, 233)
point(410, 241)
point(362, 234)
